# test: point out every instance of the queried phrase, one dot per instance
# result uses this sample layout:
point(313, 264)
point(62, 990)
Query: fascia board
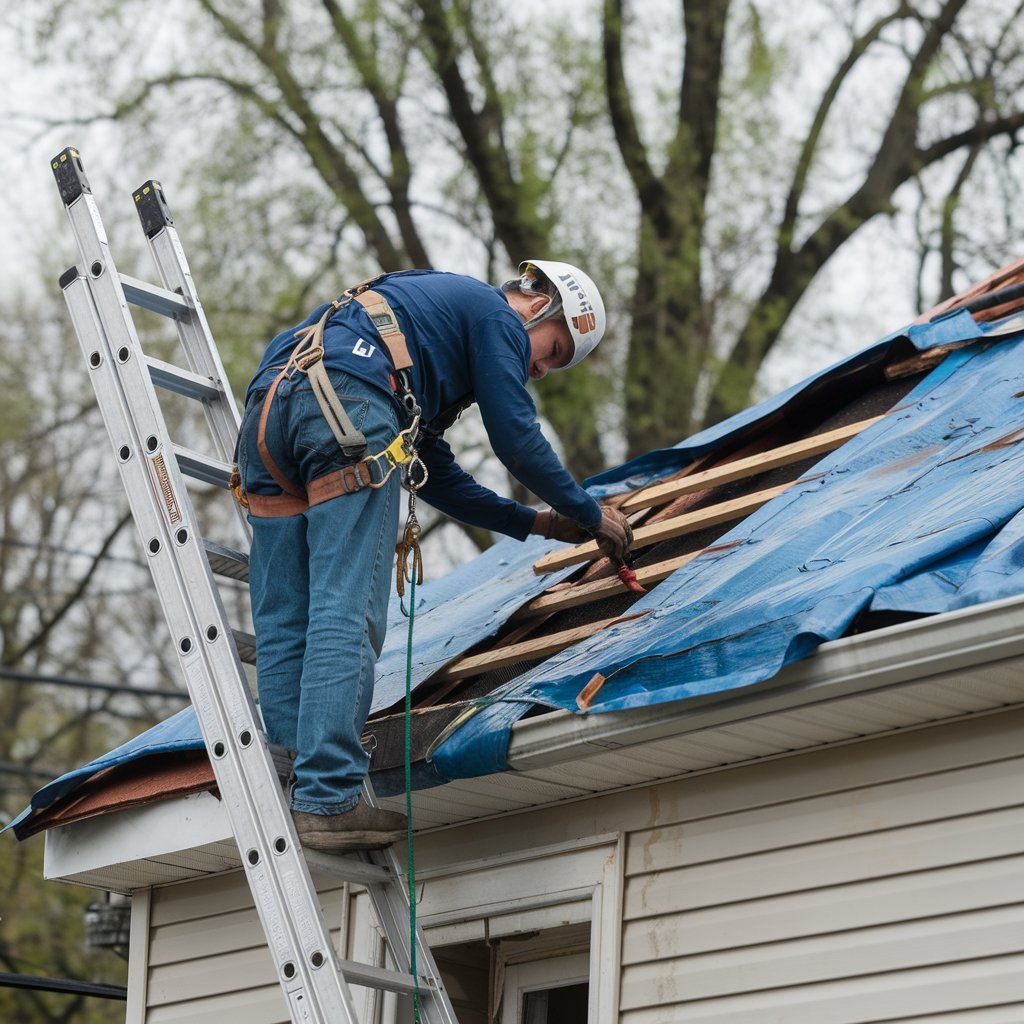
point(122, 837)
point(963, 641)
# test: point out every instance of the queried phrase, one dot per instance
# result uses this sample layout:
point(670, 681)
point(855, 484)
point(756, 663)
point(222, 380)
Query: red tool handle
point(628, 576)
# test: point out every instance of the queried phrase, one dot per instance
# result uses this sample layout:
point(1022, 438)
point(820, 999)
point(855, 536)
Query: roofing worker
point(404, 351)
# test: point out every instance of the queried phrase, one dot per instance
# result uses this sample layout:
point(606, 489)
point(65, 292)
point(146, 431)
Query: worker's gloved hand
point(613, 534)
point(555, 526)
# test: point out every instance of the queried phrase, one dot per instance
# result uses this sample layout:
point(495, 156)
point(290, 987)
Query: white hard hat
point(577, 298)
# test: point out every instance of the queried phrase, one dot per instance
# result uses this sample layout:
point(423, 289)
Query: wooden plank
point(1002, 278)
point(539, 647)
point(586, 593)
point(919, 363)
point(774, 458)
point(644, 536)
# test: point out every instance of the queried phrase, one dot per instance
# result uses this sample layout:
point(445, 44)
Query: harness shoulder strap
point(384, 319)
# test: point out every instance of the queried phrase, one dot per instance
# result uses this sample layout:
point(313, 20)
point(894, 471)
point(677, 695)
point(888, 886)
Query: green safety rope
point(408, 800)
point(409, 568)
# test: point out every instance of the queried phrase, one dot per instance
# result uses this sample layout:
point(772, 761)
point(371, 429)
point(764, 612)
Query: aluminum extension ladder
point(315, 982)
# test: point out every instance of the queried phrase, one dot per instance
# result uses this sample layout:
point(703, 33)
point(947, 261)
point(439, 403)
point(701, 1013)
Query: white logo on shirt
point(362, 349)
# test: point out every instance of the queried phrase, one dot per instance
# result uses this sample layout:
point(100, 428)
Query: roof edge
point(874, 661)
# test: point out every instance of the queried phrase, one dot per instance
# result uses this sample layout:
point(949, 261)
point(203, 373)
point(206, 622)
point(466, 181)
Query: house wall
point(876, 881)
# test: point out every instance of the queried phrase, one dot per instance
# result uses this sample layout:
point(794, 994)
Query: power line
point(65, 985)
point(7, 768)
point(91, 684)
point(61, 549)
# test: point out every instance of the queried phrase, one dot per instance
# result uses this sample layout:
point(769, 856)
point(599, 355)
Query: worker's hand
point(613, 534)
point(554, 526)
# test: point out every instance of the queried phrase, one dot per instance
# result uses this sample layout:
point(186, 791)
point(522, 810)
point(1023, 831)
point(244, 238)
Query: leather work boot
point(362, 828)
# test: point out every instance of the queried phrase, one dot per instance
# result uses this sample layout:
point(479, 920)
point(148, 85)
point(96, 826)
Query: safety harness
point(370, 471)
point(373, 470)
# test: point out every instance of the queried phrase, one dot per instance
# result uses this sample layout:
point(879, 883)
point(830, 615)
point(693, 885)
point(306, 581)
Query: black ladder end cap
point(151, 204)
point(70, 175)
point(69, 275)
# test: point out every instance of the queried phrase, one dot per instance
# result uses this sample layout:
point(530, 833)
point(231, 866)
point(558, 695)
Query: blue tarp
point(918, 513)
point(179, 732)
point(478, 600)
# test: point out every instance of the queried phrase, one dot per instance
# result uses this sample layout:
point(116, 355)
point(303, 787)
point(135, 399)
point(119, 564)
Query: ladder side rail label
point(278, 884)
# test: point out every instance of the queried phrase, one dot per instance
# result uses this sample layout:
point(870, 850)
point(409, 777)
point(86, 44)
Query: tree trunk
point(667, 343)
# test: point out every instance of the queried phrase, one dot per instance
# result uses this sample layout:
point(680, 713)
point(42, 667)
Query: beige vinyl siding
point(878, 881)
point(208, 961)
point(899, 900)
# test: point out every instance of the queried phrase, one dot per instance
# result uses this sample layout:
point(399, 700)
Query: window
point(555, 990)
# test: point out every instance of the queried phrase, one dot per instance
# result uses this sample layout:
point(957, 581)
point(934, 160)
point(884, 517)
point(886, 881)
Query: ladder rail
point(391, 905)
point(152, 469)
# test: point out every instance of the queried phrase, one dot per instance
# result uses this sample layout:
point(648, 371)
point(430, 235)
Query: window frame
point(578, 882)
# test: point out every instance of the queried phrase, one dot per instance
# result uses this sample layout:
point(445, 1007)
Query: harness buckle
point(401, 451)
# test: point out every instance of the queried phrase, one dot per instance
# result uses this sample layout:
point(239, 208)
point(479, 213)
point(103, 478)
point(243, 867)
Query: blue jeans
point(319, 585)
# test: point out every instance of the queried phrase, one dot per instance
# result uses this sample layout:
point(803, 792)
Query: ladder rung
point(381, 978)
point(154, 298)
point(202, 467)
point(182, 382)
point(246, 644)
point(347, 869)
point(226, 562)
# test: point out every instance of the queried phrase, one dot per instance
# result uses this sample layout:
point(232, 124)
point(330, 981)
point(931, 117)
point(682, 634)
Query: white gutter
point(885, 658)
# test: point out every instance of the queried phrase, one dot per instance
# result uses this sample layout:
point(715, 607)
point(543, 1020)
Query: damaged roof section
point(881, 489)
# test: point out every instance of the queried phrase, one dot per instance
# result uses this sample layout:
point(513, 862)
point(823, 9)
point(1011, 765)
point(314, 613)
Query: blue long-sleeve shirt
point(465, 341)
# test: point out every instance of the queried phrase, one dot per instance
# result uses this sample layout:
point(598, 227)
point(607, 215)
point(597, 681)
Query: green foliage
point(305, 146)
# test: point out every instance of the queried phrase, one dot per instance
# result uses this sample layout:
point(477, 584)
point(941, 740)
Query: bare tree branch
point(55, 617)
point(649, 187)
point(328, 160)
point(812, 139)
point(386, 102)
point(481, 132)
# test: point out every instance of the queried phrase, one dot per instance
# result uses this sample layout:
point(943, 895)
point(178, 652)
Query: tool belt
point(371, 470)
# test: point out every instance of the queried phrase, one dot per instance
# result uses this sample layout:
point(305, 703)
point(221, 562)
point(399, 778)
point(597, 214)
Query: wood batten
point(774, 458)
point(644, 536)
point(585, 593)
point(539, 647)
point(568, 595)
point(920, 363)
